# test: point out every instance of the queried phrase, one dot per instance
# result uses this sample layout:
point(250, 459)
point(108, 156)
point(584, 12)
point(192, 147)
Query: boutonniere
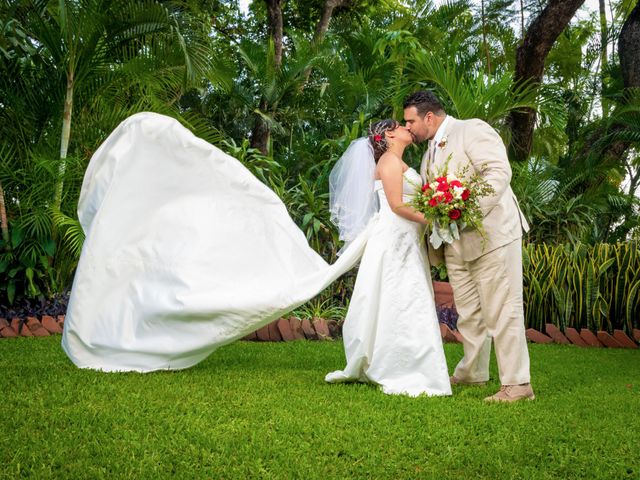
point(443, 142)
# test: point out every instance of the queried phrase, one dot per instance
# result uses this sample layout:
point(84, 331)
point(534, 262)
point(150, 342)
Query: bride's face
point(401, 134)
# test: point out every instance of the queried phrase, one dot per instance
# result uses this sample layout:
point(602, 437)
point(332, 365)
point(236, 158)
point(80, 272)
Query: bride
point(186, 251)
point(391, 332)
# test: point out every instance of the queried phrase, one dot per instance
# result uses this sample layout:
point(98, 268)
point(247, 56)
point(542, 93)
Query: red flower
point(455, 214)
point(425, 188)
point(447, 197)
point(441, 179)
point(443, 187)
point(465, 194)
point(377, 138)
point(433, 202)
point(455, 183)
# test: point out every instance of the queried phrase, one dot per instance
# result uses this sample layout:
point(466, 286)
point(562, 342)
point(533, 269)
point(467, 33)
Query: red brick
point(443, 294)
point(5, 329)
point(252, 337)
point(623, 339)
point(284, 327)
point(321, 328)
point(556, 334)
point(636, 334)
point(590, 338)
point(607, 340)
point(274, 333)
point(60, 320)
point(296, 328)
point(537, 337)
point(574, 337)
point(263, 334)
point(334, 328)
point(446, 334)
point(36, 327)
point(308, 330)
point(21, 329)
point(50, 324)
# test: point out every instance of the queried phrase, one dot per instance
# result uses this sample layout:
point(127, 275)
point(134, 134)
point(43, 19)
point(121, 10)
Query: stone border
point(31, 326)
point(585, 338)
point(293, 328)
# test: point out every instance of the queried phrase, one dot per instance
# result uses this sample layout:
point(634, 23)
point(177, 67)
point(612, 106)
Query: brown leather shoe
point(512, 393)
point(456, 381)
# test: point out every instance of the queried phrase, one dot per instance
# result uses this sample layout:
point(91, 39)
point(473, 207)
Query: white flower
point(457, 192)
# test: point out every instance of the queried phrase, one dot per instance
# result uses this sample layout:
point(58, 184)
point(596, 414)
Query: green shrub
point(582, 286)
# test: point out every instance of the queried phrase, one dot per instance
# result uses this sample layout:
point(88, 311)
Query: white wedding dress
point(186, 251)
point(391, 331)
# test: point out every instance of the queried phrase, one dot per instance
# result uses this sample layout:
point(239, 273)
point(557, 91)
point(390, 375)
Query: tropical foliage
point(287, 103)
point(595, 287)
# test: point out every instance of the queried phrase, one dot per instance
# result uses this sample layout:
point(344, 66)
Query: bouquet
point(450, 203)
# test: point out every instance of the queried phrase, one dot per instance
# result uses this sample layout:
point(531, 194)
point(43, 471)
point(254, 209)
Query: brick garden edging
point(293, 328)
point(290, 329)
point(31, 326)
point(586, 338)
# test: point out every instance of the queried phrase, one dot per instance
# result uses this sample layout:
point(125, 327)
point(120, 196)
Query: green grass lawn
point(262, 410)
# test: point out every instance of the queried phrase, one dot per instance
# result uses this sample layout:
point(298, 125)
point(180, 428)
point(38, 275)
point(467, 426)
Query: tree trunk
point(274, 10)
point(322, 28)
point(484, 38)
point(261, 132)
point(521, 20)
point(325, 18)
point(64, 141)
point(603, 58)
point(629, 53)
point(629, 49)
point(530, 57)
point(4, 224)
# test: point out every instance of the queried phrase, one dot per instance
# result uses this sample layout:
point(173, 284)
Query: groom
point(486, 276)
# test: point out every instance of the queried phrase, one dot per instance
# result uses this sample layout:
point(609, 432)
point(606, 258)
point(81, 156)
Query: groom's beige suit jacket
point(476, 144)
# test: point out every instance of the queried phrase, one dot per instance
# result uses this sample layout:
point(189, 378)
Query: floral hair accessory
point(377, 139)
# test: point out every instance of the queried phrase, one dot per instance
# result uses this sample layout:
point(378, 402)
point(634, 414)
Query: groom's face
point(421, 127)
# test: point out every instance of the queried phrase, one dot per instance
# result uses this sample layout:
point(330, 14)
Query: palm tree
point(488, 97)
point(270, 88)
point(94, 62)
point(87, 44)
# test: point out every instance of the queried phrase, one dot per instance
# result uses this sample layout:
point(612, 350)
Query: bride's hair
point(377, 136)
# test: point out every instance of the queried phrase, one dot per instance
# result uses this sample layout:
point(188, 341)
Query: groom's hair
point(424, 101)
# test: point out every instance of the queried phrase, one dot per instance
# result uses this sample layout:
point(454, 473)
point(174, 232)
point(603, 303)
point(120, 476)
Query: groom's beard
point(416, 139)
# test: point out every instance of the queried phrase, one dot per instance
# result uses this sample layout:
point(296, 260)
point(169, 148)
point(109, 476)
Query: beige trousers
point(488, 297)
